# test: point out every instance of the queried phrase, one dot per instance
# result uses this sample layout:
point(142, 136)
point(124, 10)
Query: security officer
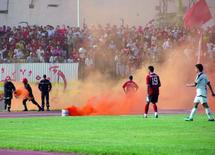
point(9, 88)
point(45, 87)
point(30, 96)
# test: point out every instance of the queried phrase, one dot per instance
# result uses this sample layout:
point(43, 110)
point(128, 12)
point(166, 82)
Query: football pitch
point(169, 134)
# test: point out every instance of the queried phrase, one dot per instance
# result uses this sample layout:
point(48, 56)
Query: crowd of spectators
point(118, 50)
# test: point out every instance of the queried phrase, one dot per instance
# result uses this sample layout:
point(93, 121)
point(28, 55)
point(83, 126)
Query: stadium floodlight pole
point(199, 56)
point(78, 13)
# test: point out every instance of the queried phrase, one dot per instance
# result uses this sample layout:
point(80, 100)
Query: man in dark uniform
point(45, 87)
point(9, 88)
point(30, 96)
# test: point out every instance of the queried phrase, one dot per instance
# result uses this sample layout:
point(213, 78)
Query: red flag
point(198, 14)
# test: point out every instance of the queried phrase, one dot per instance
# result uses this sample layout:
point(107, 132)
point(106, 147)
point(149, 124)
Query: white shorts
point(201, 99)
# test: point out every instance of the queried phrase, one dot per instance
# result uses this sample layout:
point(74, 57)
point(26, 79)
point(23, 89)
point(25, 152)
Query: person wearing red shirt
point(153, 83)
point(130, 86)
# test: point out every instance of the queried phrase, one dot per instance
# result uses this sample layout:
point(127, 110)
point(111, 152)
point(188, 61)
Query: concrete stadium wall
point(134, 12)
point(41, 14)
point(34, 71)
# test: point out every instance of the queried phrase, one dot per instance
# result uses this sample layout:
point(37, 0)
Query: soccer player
point(45, 87)
point(153, 84)
point(9, 88)
point(30, 96)
point(130, 86)
point(201, 83)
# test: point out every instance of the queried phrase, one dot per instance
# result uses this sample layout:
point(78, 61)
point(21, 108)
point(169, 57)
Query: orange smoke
point(109, 104)
point(19, 95)
point(100, 95)
point(175, 73)
point(21, 92)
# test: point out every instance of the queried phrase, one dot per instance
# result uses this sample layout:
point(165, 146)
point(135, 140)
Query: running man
point(201, 83)
point(30, 96)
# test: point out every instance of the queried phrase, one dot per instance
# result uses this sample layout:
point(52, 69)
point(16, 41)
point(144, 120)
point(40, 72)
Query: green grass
point(169, 134)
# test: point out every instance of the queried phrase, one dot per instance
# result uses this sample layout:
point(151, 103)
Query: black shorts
point(152, 98)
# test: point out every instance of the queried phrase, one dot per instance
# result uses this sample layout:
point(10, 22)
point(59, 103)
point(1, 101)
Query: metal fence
point(59, 72)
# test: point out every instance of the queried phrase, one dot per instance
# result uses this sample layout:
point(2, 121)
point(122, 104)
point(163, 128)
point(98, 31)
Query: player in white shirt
point(201, 83)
